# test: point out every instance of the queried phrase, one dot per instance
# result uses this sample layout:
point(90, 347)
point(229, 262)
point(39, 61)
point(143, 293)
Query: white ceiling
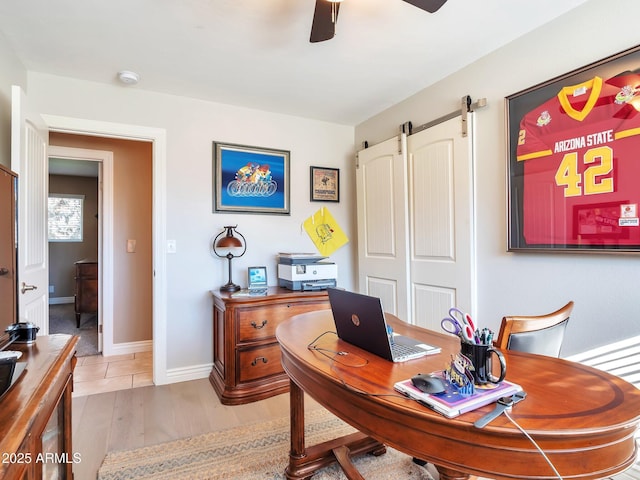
point(256, 53)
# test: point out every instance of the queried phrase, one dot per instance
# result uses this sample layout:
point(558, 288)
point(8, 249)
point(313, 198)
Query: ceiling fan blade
point(430, 6)
point(324, 17)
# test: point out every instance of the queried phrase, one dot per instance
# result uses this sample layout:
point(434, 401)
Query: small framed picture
point(325, 184)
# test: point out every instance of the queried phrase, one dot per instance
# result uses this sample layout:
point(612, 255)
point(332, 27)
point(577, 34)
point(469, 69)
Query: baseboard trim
point(60, 300)
point(185, 374)
point(129, 348)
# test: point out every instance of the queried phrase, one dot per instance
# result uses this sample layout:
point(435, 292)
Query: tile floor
point(98, 374)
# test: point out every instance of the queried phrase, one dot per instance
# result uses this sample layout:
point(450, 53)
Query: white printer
point(306, 271)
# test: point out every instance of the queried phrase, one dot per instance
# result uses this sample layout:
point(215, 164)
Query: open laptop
point(360, 321)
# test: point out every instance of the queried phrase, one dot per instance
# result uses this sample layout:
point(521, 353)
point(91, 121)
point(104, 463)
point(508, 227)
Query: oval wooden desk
point(583, 419)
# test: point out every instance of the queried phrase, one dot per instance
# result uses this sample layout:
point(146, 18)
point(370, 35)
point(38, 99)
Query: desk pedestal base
point(304, 462)
point(445, 473)
point(449, 474)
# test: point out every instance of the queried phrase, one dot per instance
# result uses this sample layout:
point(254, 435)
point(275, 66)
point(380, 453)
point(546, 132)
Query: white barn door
point(29, 139)
point(442, 234)
point(416, 236)
point(381, 185)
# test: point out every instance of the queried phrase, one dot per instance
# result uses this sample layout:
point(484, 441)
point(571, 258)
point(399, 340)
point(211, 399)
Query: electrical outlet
point(52, 289)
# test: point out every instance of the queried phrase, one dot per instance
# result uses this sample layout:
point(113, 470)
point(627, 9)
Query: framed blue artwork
point(250, 179)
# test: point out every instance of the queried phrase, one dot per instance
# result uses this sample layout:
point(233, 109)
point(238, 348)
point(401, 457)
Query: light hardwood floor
point(137, 417)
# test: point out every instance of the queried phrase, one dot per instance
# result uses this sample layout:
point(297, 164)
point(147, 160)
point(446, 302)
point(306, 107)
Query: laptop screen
point(257, 277)
point(359, 320)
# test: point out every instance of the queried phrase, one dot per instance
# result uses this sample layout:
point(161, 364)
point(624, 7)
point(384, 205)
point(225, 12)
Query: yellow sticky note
point(325, 232)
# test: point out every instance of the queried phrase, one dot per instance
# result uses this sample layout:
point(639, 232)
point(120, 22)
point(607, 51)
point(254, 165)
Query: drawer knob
point(257, 360)
point(258, 327)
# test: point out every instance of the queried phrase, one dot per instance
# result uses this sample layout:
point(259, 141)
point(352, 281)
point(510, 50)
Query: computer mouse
point(428, 383)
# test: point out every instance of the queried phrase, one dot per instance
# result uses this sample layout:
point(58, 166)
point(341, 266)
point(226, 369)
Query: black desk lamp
point(229, 243)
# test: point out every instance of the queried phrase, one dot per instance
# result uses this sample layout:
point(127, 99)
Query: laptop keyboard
point(406, 352)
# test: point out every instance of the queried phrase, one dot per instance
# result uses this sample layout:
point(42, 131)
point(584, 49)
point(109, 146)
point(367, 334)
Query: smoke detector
point(128, 78)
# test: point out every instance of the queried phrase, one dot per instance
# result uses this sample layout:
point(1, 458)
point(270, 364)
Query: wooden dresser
point(246, 354)
point(86, 299)
point(35, 414)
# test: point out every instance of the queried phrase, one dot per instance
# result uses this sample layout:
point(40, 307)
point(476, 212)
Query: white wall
point(11, 73)
point(604, 287)
point(191, 127)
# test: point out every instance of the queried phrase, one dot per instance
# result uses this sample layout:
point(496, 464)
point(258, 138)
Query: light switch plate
point(171, 246)
point(131, 246)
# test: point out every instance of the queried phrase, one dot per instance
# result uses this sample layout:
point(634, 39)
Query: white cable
point(506, 413)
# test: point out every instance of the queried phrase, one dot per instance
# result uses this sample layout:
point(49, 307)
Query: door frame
point(157, 137)
point(105, 235)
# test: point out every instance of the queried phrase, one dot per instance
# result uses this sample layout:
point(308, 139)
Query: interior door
point(442, 236)
point(29, 140)
point(383, 268)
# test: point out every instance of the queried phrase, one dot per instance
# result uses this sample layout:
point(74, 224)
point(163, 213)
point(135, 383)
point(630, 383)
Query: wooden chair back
point(542, 334)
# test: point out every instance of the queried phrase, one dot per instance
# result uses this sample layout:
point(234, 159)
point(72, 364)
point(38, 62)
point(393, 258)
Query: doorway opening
point(156, 137)
point(121, 259)
point(75, 244)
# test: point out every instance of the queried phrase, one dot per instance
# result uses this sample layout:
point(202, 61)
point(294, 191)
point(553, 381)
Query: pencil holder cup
point(481, 359)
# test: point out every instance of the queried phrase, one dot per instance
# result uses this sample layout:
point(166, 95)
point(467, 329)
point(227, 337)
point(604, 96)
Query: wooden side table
point(246, 354)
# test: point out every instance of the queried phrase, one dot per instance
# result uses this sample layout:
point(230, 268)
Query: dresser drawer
point(261, 322)
point(246, 355)
point(259, 362)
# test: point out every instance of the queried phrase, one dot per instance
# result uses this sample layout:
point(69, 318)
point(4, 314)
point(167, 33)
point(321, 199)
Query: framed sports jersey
point(574, 160)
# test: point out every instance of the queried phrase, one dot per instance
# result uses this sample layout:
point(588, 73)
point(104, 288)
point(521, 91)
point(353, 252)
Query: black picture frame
point(250, 179)
point(324, 184)
point(583, 218)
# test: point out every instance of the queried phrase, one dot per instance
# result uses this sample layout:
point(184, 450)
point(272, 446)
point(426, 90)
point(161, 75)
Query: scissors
point(459, 323)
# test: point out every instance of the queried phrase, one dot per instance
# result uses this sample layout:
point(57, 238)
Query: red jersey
point(581, 154)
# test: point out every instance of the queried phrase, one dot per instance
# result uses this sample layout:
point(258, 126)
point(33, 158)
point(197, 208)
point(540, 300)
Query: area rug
point(252, 452)
point(62, 319)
